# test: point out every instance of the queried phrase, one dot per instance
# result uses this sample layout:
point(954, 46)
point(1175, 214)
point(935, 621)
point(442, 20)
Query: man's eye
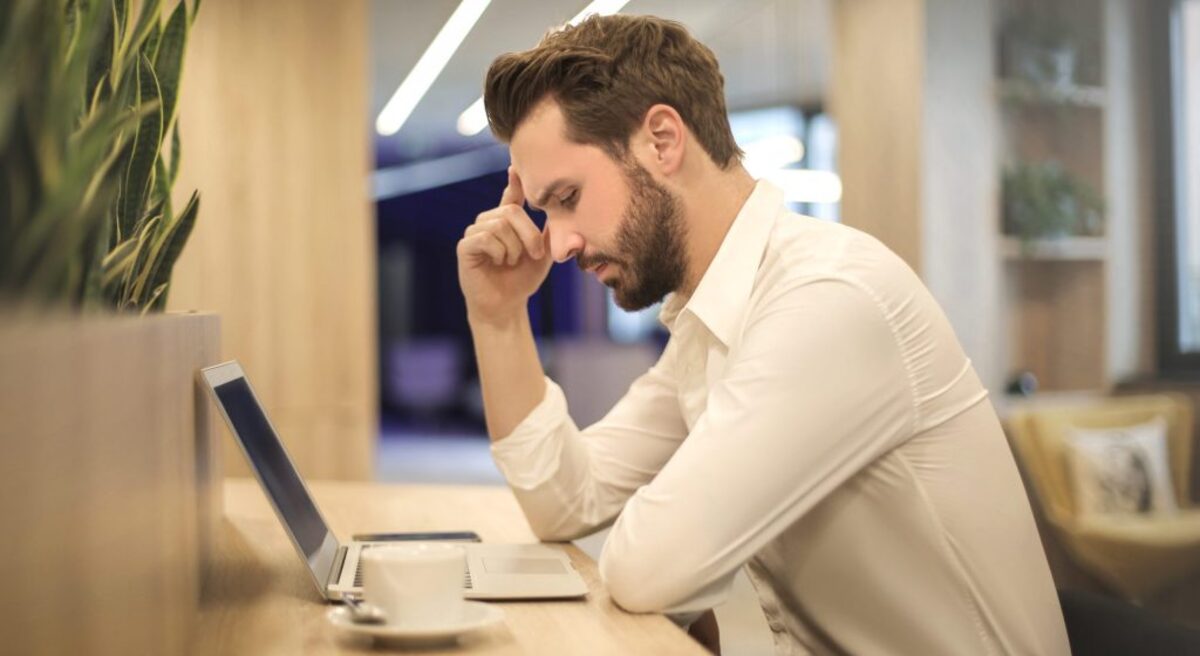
point(570, 199)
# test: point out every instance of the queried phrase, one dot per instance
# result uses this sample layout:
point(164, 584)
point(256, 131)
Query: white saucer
point(475, 615)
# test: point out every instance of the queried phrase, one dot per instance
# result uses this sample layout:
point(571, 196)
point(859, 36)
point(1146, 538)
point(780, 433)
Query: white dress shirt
point(814, 418)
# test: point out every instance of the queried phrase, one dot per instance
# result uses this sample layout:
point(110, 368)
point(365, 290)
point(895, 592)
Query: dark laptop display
point(278, 474)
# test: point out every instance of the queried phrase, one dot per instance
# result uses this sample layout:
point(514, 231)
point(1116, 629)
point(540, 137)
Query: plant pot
point(111, 482)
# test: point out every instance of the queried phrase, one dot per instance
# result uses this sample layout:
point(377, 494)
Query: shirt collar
point(720, 299)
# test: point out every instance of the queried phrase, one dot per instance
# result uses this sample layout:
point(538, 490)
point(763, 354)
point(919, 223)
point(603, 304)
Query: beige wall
point(960, 181)
point(274, 127)
point(1129, 191)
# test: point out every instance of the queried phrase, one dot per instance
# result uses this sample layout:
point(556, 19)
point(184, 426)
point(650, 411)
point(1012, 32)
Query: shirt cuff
point(529, 456)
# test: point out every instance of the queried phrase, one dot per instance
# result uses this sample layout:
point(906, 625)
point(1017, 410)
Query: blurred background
point(1035, 162)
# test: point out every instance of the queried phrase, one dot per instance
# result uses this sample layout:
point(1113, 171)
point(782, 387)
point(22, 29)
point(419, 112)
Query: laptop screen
point(277, 474)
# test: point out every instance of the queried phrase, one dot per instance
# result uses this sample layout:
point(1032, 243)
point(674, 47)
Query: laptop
point(494, 571)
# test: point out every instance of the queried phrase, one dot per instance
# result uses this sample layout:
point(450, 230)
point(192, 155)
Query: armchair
point(1135, 555)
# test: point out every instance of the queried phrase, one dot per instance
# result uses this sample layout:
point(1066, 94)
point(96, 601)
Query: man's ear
point(666, 135)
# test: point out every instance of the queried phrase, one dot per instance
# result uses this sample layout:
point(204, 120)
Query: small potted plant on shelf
point(1043, 201)
point(1039, 47)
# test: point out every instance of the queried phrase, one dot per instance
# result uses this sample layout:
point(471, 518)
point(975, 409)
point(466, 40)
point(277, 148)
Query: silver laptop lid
point(315, 543)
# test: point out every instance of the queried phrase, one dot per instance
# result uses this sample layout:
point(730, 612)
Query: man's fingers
point(515, 231)
point(483, 244)
point(513, 193)
point(504, 231)
point(527, 231)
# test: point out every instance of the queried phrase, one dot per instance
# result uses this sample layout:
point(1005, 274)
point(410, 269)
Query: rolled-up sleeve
point(569, 482)
point(817, 389)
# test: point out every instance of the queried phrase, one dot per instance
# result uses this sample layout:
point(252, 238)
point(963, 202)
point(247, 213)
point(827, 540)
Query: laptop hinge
point(335, 572)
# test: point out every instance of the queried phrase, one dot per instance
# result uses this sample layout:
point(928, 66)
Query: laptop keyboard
point(358, 574)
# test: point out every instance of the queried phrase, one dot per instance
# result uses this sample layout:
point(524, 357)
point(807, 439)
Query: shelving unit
point(1055, 290)
point(1018, 91)
point(1065, 249)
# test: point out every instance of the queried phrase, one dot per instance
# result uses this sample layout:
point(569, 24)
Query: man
point(812, 417)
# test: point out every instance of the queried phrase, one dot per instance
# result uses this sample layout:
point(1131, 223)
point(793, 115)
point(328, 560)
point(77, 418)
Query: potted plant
point(1041, 48)
point(1043, 201)
point(106, 454)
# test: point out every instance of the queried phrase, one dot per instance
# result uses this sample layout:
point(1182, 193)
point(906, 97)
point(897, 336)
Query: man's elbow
point(642, 585)
point(562, 527)
point(545, 533)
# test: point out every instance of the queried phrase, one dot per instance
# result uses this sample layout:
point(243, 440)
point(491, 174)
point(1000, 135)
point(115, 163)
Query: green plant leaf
point(120, 21)
point(150, 45)
point(91, 298)
point(53, 231)
point(121, 13)
point(146, 24)
point(145, 151)
point(87, 294)
point(118, 262)
point(176, 153)
point(137, 275)
point(173, 241)
point(98, 93)
point(102, 56)
point(158, 298)
point(155, 210)
point(72, 15)
point(168, 65)
point(162, 190)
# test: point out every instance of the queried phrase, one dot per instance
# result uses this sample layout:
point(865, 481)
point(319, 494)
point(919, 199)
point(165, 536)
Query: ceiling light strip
point(474, 119)
point(429, 66)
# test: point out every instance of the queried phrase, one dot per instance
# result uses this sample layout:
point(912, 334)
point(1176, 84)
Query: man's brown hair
point(605, 73)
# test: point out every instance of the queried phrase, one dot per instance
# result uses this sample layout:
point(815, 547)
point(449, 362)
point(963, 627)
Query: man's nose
point(564, 244)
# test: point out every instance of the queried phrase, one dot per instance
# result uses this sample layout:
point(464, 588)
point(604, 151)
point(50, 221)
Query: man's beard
point(650, 240)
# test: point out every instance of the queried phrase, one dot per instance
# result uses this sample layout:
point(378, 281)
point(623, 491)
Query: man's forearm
point(510, 372)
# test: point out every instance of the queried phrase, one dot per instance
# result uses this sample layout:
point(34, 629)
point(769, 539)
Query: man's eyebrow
point(541, 200)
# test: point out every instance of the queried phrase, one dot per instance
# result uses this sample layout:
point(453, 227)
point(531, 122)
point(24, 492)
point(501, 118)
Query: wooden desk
point(260, 600)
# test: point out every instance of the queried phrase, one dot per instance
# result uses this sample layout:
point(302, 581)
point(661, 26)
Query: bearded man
point(813, 417)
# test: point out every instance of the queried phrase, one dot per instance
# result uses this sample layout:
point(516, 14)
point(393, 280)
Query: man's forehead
point(538, 143)
point(542, 154)
point(541, 172)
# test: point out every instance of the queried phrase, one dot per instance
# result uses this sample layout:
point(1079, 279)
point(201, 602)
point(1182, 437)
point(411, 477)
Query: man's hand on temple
point(502, 258)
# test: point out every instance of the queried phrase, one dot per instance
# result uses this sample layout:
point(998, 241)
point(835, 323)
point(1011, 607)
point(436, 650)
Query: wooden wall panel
point(1059, 319)
point(875, 97)
point(106, 489)
point(275, 135)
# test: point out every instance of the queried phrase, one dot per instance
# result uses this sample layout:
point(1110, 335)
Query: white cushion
point(1122, 470)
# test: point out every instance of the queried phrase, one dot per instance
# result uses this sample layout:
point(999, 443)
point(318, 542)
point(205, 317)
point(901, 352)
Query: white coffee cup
point(417, 584)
